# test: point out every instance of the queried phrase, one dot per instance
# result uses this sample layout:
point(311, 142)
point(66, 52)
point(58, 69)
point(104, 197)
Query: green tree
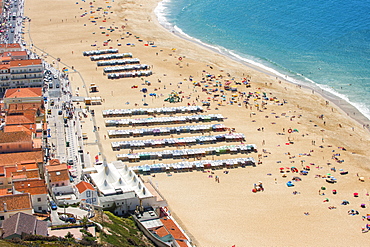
point(69, 236)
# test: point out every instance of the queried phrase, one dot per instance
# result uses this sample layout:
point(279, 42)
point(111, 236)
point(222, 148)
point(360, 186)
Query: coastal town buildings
point(6, 57)
point(57, 178)
point(121, 189)
point(37, 189)
point(15, 203)
point(86, 192)
point(23, 95)
point(21, 73)
point(10, 47)
point(21, 224)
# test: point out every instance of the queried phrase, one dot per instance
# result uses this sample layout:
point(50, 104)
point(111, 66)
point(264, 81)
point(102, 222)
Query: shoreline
point(346, 106)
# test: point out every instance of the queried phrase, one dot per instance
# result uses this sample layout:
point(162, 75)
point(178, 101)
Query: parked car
point(67, 219)
point(71, 219)
point(53, 205)
point(63, 217)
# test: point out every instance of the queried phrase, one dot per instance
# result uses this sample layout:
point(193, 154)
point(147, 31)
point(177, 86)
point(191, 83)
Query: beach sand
point(225, 213)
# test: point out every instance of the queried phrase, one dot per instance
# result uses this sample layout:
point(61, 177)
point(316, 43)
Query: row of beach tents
point(164, 120)
point(110, 56)
point(130, 74)
point(151, 111)
point(118, 62)
point(99, 52)
point(194, 165)
point(166, 130)
point(187, 153)
point(158, 143)
point(126, 68)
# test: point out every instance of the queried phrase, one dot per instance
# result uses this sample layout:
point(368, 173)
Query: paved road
point(65, 127)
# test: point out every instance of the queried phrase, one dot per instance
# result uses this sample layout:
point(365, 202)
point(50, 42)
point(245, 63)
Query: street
point(65, 140)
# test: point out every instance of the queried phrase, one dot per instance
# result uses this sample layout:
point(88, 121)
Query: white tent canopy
point(117, 177)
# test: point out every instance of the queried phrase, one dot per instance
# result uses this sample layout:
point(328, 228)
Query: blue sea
point(319, 43)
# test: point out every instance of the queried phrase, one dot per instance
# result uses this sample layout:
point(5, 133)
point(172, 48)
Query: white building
point(21, 74)
point(37, 189)
point(121, 189)
point(86, 192)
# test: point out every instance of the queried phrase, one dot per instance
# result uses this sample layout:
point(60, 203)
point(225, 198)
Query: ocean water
point(321, 43)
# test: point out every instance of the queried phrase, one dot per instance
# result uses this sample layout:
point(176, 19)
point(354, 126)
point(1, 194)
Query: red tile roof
point(21, 158)
point(20, 119)
point(34, 187)
point(15, 202)
point(19, 128)
point(9, 137)
point(60, 167)
point(174, 230)
point(13, 45)
point(27, 167)
point(14, 53)
point(9, 171)
point(4, 66)
point(20, 107)
point(5, 59)
point(19, 63)
point(54, 162)
point(82, 186)
point(26, 174)
point(58, 173)
point(23, 92)
point(4, 192)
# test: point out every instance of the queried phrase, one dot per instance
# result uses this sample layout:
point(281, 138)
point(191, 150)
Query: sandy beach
point(224, 213)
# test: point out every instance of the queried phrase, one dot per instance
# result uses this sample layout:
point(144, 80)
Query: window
point(39, 199)
point(40, 208)
point(2, 218)
point(94, 199)
point(88, 193)
point(63, 184)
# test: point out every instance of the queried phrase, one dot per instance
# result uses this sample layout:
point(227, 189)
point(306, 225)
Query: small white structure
point(93, 100)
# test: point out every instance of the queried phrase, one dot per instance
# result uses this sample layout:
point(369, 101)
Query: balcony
point(26, 72)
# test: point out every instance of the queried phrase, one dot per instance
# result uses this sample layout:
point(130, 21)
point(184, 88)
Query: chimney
point(5, 208)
